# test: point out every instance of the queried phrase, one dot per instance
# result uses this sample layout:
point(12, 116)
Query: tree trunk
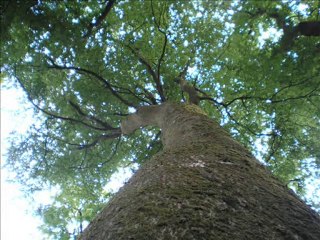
point(203, 185)
point(309, 28)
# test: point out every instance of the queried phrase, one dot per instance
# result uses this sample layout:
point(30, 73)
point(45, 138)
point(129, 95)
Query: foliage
point(85, 65)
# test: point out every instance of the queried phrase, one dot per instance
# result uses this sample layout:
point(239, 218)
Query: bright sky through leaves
point(255, 67)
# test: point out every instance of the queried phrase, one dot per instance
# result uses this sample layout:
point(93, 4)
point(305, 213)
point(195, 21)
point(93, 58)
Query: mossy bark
point(203, 185)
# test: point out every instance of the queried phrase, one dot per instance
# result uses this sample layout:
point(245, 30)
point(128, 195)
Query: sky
point(17, 221)
point(16, 209)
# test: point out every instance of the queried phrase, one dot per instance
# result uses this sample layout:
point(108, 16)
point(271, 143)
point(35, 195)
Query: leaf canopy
point(86, 65)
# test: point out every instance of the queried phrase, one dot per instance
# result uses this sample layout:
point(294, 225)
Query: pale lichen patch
point(198, 163)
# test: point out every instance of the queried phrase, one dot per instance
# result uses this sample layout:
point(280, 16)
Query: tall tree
point(250, 65)
point(203, 185)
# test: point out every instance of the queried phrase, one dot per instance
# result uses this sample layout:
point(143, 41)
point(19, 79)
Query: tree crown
point(253, 66)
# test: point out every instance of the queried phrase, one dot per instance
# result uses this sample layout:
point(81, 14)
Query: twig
point(53, 114)
point(106, 125)
point(97, 76)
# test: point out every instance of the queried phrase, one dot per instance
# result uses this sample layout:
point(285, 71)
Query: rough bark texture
point(203, 185)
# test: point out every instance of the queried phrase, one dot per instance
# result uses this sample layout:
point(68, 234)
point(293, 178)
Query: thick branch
point(100, 18)
point(309, 28)
point(290, 31)
point(149, 95)
point(186, 87)
point(162, 55)
point(273, 146)
point(150, 71)
point(146, 115)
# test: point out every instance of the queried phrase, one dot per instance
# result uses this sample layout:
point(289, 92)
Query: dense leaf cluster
point(85, 65)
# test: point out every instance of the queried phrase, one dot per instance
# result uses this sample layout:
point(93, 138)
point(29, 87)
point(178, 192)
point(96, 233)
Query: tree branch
point(186, 87)
point(309, 28)
point(106, 125)
point(97, 76)
point(149, 95)
point(150, 71)
point(244, 126)
point(162, 55)
point(112, 135)
point(165, 40)
point(137, 95)
point(311, 93)
point(270, 99)
point(53, 114)
point(290, 31)
point(112, 154)
point(100, 18)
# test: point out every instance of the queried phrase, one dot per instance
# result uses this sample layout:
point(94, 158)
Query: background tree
point(86, 65)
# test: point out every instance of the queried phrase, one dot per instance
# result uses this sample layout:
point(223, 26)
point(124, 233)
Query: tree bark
point(203, 185)
point(309, 28)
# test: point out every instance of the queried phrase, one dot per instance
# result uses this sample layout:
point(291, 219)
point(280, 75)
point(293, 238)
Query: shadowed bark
point(203, 185)
point(310, 28)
